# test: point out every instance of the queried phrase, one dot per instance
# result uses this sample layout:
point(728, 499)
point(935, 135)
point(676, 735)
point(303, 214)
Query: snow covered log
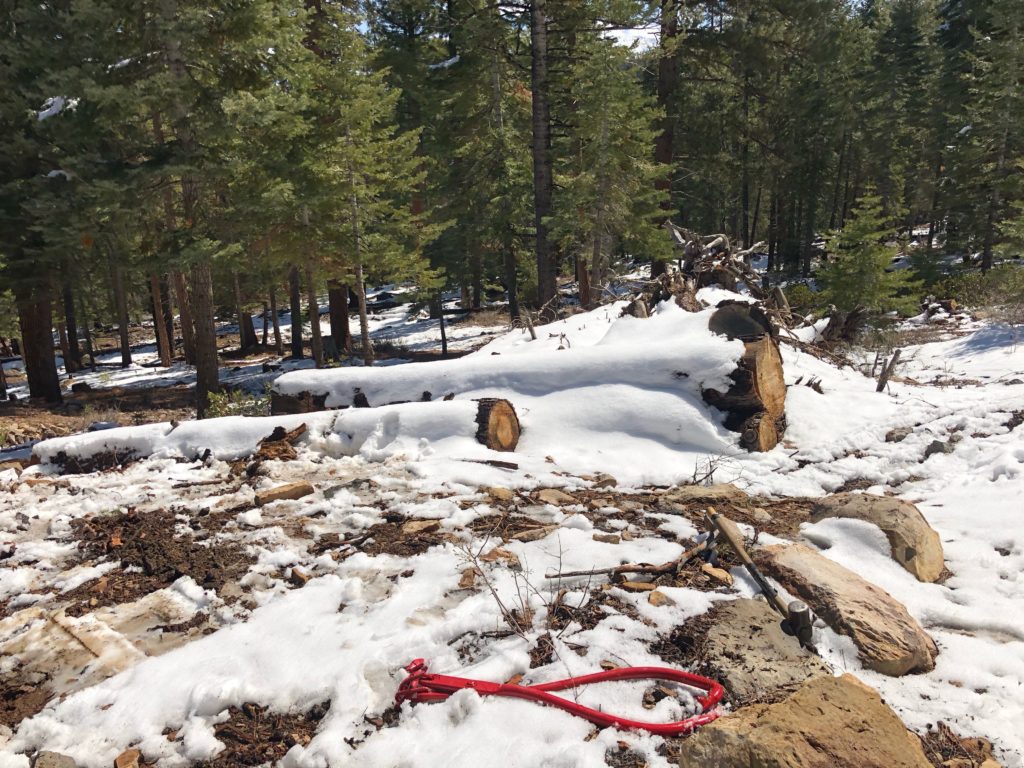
point(755, 402)
point(375, 432)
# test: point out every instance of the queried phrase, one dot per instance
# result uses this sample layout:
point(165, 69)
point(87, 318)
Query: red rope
point(421, 686)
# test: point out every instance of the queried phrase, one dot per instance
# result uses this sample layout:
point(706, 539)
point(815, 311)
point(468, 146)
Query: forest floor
point(158, 606)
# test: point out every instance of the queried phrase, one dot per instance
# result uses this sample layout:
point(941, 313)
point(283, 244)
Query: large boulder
point(829, 721)
point(751, 655)
point(914, 544)
point(889, 639)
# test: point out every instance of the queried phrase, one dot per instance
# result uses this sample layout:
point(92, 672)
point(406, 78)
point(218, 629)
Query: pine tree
point(859, 272)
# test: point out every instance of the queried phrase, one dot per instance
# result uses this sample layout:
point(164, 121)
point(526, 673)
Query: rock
point(81, 386)
point(501, 495)
point(607, 538)
point(752, 656)
point(53, 760)
point(711, 493)
point(299, 577)
point(282, 492)
point(416, 527)
point(128, 759)
point(637, 586)
point(603, 480)
point(658, 598)
point(829, 721)
point(898, 435)
point(554, 496)
point(913, 543)
point(761, 516)
point(889, 639)
point(937, 446)
point(17, 466)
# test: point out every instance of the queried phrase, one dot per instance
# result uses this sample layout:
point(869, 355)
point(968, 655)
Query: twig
point(670, 567)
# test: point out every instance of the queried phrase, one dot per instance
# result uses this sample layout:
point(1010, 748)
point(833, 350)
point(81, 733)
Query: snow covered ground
point(345, 636)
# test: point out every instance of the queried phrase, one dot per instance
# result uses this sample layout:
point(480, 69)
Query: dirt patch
point(151, 543)
point(253, 735)
point(389, 539)
point(684, 647)
point(22, 695)
point(941, 745)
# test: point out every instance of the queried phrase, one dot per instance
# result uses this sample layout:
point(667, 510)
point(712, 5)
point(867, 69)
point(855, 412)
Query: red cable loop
point(422, 686)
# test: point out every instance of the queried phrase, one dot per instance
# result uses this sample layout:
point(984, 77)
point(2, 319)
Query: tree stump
point(755, 403)
point(497, 424)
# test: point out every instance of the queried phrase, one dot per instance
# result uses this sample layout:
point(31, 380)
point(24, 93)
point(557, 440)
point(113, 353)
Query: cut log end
point(761, 432)
point(497, 424)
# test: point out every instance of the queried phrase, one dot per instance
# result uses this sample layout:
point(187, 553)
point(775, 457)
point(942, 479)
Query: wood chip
point(468, 578)
point(128, 759)
point(284, 492)
point(607, 538)
point(510, 558)
point(717, 574)
point(299, 577)
point(657, 598)
point(533, 534)
point(638, 586)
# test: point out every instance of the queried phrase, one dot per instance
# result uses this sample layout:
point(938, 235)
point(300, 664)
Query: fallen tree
point(489, 421)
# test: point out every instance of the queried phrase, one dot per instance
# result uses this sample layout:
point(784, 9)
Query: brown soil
point(149, 542)
point(388, 539)
point(21, 695)
point(254, 736)
point(941, 744)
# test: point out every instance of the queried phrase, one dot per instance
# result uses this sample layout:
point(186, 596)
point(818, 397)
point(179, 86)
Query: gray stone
point(898, 435)
point(718, 492)
point(913, 543)
point(753, 657)
point(53, 760)
point(937, 446)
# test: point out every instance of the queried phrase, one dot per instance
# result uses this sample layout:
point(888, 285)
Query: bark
point(163, 343)
point(71, 323)
point(246, 330)
point(278, 346)
point(583, 279)
point(35, 320)
point(508, 249)
point(295, 299)
point(316, 343)
point(337, 297)
point(441, 325)
point(547, 268)
point(477, 270)
point(121, 307)
point(266, 328)
point(207, 368)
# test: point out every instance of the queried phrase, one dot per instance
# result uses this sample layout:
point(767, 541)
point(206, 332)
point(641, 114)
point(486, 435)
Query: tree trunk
point(278, 346)
point(36, 322)
point(188, 332)
point(266, 325)
point(163, 344)
point(87, 332)
point(668, 81)
point(364, 328)
point(62, 341)
point(316, 344)
point(477, 272)
point(337, 298)
point(207, 368)
point(167, 312)
point(71, 323)
point(246, 330)
point(547, 269)
point(121, 307)
point(295, 299)
point(583, 279)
